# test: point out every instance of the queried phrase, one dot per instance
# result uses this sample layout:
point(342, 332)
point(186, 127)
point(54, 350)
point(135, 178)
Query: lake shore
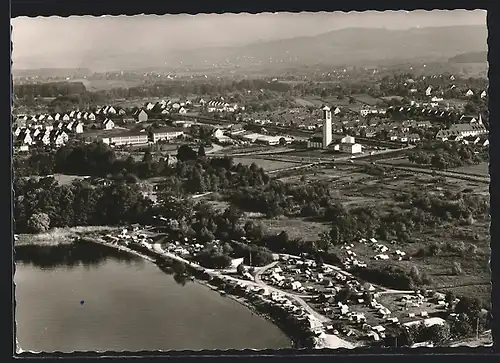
point(58, 236)
point(294, 341)
point(296, 333)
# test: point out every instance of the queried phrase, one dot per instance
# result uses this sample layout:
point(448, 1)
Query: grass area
point(295, 227)
point(479, 169)
point(63, 179)
point(366, 99)
point(58, 236)
point(267, 165)
point(303, 102)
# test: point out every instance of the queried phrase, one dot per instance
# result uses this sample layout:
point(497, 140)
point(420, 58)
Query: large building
point(127, 138)
point(166, 134)
point(469, 126)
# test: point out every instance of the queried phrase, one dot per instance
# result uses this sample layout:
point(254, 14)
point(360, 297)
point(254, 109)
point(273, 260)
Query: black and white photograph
point(256, 181)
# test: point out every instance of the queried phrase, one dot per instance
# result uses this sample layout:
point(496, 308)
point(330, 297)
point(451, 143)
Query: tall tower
point(327, 127)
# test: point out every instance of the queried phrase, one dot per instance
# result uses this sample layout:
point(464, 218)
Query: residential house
point(182, 111)
point(469, 93)
point(25, 137)
point(483, 94)
point(217, 133)
point(72, 114)
point(108, 124)
point(58, 137)
point(78, 127)
point(111, 110)
point(121, 112)
point(57, 116)
point(66, 117)
point(413, 138)
point(91, 116)
point(428, 91)
point(141, 116)
point(17, 131)
point(150, 106)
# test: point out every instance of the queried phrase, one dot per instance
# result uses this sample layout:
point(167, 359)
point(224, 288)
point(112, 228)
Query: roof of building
point(128, 134)
point(167, 129)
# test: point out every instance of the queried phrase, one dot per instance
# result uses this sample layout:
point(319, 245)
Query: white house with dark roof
point(141, 116)
point(108, 124)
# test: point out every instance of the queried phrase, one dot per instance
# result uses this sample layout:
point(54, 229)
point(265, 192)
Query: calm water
point(128, 305)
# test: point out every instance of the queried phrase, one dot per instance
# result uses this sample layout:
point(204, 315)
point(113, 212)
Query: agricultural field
point(366, 99)
point(267, 165)
point(94, 85)
point(475, 273)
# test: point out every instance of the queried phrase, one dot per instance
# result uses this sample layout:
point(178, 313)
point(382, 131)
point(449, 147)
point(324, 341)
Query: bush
point(388, 276)
point(456, 268)
point(39, 222)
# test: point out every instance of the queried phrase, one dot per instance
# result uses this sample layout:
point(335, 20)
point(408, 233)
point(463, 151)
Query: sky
point(38, 37)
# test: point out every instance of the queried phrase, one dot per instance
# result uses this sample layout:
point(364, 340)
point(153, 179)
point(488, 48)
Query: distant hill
point(471, 57)
point(352, 46)
point(52, 72)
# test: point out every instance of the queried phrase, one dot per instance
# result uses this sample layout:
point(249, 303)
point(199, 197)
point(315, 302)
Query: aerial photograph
point(251, 181)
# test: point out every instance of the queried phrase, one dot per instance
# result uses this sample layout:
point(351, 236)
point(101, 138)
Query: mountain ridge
point(337, 47)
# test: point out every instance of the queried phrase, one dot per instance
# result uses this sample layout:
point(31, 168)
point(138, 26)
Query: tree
point(39, 222)
point(201, 151)
point(185, 153)
point(469, 306)
point(415, 275)
point(240, 269)
point(147, 156)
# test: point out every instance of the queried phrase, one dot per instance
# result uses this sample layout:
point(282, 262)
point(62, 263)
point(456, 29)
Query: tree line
point(447, 155)
point(192, 173)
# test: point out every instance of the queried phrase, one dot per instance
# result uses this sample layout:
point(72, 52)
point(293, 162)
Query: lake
point(93, 298)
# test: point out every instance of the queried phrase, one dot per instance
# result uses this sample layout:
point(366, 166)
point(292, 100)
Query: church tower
point(327, 127)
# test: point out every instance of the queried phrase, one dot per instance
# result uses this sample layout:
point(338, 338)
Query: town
point(352, 143)
point(348, 204)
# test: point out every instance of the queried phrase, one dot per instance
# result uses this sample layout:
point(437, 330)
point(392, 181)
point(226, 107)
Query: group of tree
point(193, 172)
point(42, 204)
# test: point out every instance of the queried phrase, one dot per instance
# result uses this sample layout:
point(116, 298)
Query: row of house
point(45, 118)
point(222, 106)
point(72, 127)
point(54, 137)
